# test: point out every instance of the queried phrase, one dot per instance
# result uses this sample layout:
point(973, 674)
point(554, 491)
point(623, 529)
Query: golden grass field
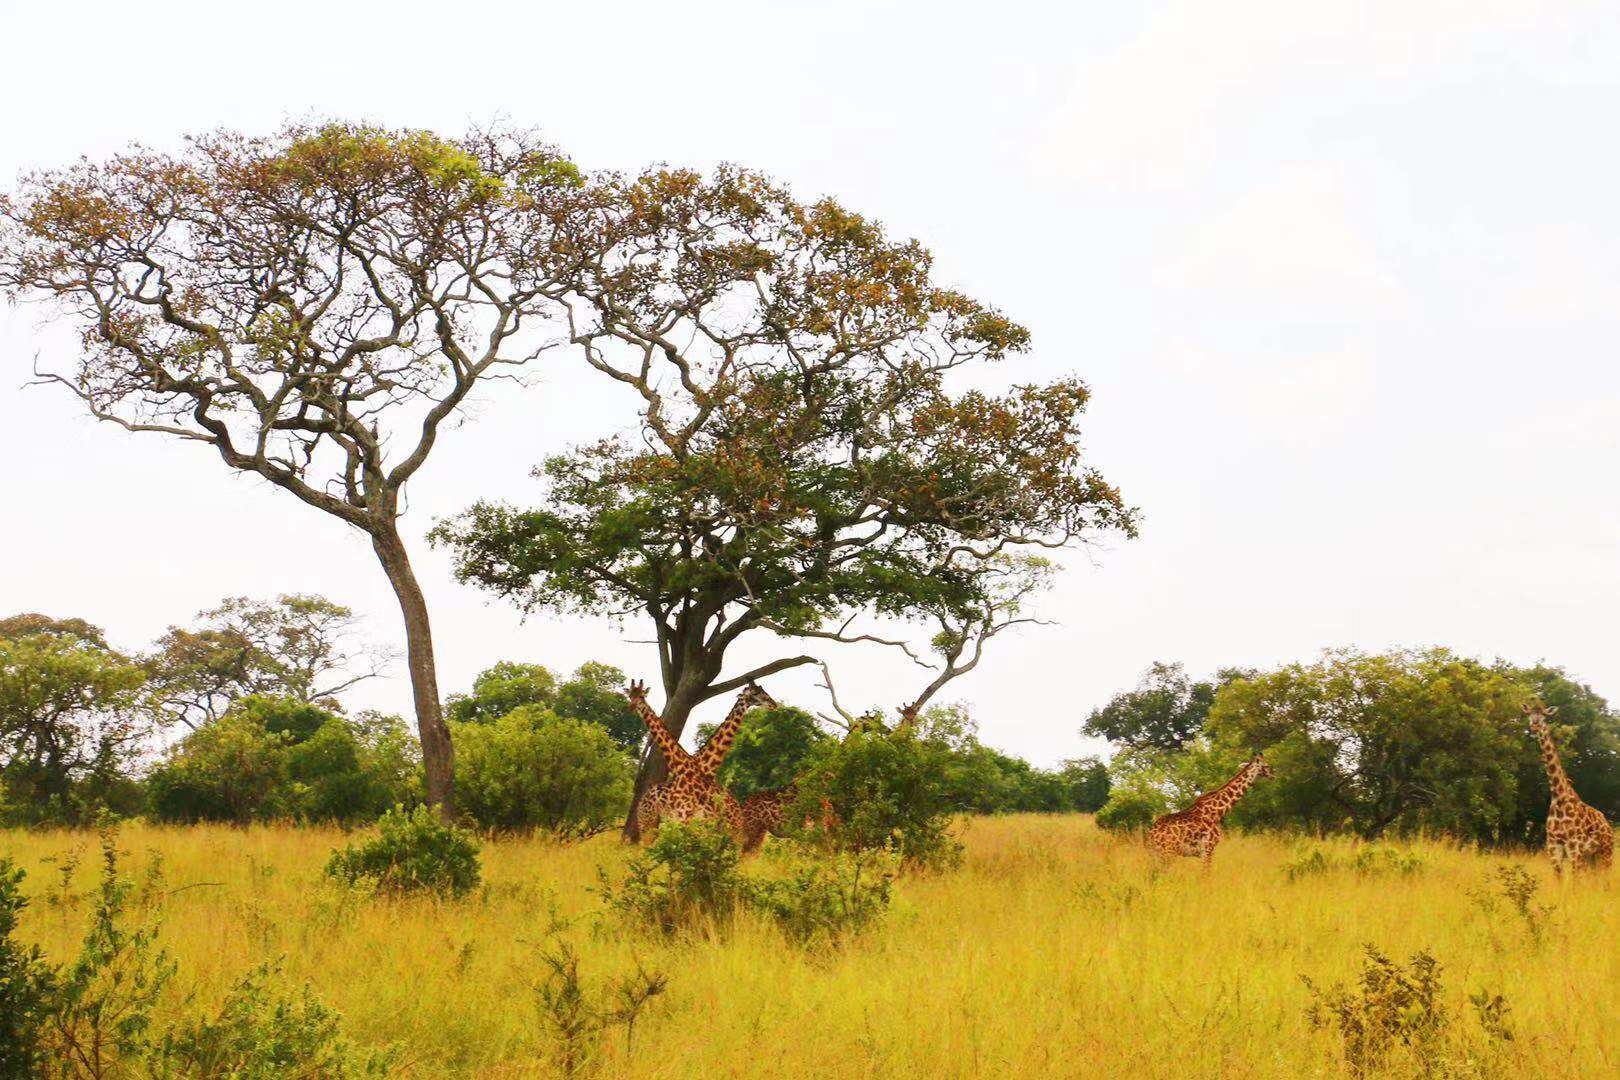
point(1055, 950)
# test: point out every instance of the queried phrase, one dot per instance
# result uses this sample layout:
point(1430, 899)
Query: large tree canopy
point(312, 306)
point(802, 459)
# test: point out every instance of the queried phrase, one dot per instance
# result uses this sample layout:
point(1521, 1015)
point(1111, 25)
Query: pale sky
point(1342, 275)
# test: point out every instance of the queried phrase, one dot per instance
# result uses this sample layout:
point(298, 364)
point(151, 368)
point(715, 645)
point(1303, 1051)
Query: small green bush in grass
point(413, 851)
point(259, 1033)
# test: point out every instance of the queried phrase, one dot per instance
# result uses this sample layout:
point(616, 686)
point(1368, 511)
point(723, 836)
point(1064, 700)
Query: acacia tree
point(314, 306)
point(802, 459)
point(296, 646)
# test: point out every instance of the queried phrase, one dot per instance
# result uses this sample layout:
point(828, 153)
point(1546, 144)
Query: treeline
point(1365, 743)
point(239, 718)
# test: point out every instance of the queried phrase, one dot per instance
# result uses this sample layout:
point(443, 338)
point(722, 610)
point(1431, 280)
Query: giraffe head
point(1537, 715)
point(755, 697)
point(636, 691)
point(1262, 770)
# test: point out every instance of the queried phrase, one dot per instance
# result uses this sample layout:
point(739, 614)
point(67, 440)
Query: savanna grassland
point(1055, 949)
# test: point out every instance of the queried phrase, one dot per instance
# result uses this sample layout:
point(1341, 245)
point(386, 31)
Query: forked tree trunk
point(438, 758)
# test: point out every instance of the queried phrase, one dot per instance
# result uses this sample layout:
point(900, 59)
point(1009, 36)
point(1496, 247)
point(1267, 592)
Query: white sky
point(1342, 275)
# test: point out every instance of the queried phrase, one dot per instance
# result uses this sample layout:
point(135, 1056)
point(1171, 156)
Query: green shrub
point(1310, 864)
point(887, 790)
point(823, 901)
point(334, 776)
point(413, 851)
point(690, 879)
point(101, 1005)
point(223, 771)
point(687, 879)
point(772, 749)
point(271, 757)
point(260, 1034)
point(1370, 861)
point(1376, 859)
point(27, 985)
point(532, 769)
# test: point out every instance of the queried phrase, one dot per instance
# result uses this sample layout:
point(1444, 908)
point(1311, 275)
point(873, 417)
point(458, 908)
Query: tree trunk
point(437, 755)
point(653, 766)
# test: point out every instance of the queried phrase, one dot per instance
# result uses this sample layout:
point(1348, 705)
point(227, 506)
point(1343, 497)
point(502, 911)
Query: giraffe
point(691, 790)
point(762, 813)
point(1197, 829)
point(1577, 834)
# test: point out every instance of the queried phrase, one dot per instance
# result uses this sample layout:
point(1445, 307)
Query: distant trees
point(70, 718)
point(313, 306)
point(594, 694)
point(1370, 743)
point(499, 689)
point(1165, 711)
point(301, 647)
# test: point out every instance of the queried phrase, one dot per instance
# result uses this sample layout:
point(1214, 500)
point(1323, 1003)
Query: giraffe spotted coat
point(1196, 830)
point(1578, 835)
point(691, 790)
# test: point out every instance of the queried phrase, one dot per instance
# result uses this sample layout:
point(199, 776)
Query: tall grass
point(1055, 950)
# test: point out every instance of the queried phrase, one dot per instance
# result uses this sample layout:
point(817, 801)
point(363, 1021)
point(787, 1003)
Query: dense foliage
point(1370, 743)
point(281, 758)
point(772, 748)
point(533, 769)
point(70, 720)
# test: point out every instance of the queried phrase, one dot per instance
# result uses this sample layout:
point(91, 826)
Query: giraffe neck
point(1226, 796)
point(713, 754)
point(674, 755)
point(1557, 779)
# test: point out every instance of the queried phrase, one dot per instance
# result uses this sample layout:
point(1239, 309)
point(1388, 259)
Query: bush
point(690, 879)
point(272, 757)
point(27, 985)
point(1393, 1006)
point(1371, 861)
point(1127, 809)
point(224, 771)
point(101, 1004)
point(886, 790)
point(259, 1034)
point(772, 749)
point(687, 879)
point(413, 851)
point(535, 770)
point(824, 901)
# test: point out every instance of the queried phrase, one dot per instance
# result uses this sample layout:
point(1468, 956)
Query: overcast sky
point(1343, 277)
